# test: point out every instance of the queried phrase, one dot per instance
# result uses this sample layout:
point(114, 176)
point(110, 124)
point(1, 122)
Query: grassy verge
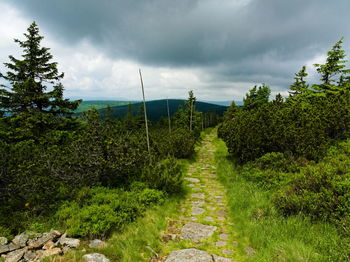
point(259, 225)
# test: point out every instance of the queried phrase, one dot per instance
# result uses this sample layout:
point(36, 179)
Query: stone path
point(201, 234)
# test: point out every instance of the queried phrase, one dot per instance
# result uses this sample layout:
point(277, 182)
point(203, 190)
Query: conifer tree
point(333, 70)
point(299, 86)
point(31, 77)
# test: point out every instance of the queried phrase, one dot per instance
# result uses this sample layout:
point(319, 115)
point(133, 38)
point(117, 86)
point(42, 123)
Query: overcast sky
point(218, 48)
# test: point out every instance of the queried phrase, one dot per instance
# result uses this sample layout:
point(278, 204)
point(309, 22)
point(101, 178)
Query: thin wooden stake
point(191, 116)
point(167, 105)
point(144, 109)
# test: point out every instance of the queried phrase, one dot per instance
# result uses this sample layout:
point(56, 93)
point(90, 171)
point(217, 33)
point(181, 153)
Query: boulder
point(42, 240)
point(66, 241)
point(16, 255)
point(49, 245)
point(95, 257)
point(21, 240)
point(8, 248)
point(29, 256)
point(97, 243)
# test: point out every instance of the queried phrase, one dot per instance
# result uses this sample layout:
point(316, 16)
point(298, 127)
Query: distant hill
point(99, 104)
point(224, 103)
point(158, 108)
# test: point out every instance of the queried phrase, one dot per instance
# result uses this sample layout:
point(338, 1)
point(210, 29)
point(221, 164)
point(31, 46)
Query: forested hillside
point(158, 109)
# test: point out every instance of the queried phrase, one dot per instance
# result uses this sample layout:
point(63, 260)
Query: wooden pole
point(191, 116)
point(144, 109)
point(167, 105)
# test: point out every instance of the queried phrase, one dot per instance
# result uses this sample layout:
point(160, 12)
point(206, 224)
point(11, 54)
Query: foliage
point(166, 175)
point(105, 209)
point(256, 97)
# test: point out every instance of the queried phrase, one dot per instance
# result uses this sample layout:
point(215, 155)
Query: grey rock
point(8, 248)
point(97, 243)
point(220, 243)
point(227, 252)
point(189, 255)
point(3, 241)
point(198, 195)
point(21, 240)
point(197, 211)
point(51, 252)
point(66, 241)
point(221, 259)
point(198, 203)
point(95, 257)
point(196, 232)
point(209, 219)
point(191, 179)
point(16, 255)
point(29, 256)
point(39, 242)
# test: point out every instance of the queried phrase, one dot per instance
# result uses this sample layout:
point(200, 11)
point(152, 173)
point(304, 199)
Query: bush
point(322, 190)
point(104, 210)
point(166, 176)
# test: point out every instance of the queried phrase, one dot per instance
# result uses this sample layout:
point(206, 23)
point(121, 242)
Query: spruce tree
point(299, 86)
point(333, 71)
point(30, 80)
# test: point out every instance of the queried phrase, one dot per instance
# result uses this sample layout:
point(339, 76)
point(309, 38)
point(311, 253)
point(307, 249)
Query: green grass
point(259, 225)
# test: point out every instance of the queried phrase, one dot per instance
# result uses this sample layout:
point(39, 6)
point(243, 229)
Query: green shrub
point(87, 221)
point(104, 210)
point(165, 175)
point(321, 191)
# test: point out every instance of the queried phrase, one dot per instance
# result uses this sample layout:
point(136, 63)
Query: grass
point(259, 225)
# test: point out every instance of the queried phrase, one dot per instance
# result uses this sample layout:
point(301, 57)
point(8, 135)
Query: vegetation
point(296, 150)
point(259, 224)
point(99, 104)
point(88, 175)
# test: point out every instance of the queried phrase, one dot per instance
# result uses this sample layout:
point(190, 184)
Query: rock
point(193, 180)
point(224, 236)
point(189, 255)
point(221, 259)
point(49, 245)
point(51, 252)
point(3, 241)
point(95, 257)
point(21, 240)
point(249, 251)
point(97, 243)
point(66, 241)
point(196, 232)
point(198, 203)
point(198, 195)
point(16, 255)
point(209, 219)
point(8, 248)
point(220, 243)
point(39, 242)
point(197, 211)
point(29, 256)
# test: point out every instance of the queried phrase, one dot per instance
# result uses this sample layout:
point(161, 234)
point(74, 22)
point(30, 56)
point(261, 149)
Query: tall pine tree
point(30, 80)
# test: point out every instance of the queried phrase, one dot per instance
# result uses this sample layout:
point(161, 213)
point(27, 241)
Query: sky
point(219, 49)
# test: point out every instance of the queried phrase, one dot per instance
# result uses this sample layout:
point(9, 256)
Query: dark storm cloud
point(270, 39)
